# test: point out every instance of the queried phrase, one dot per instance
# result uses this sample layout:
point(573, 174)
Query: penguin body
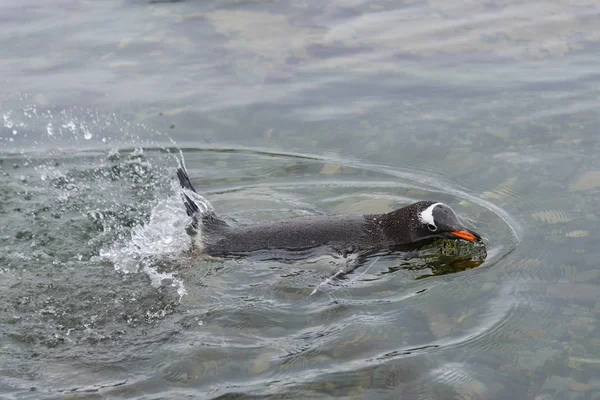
point(403, 229)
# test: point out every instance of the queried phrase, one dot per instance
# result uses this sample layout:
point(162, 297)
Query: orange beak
point(471, 237)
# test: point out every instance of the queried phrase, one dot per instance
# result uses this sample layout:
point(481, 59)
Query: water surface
point(287, 109)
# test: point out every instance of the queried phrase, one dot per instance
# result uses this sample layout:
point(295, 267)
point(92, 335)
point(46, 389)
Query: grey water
point(283, 109)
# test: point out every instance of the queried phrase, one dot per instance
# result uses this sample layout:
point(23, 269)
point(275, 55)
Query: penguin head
point(434, 219)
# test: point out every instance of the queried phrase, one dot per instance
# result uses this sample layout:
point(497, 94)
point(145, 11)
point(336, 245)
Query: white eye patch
point(426, 216)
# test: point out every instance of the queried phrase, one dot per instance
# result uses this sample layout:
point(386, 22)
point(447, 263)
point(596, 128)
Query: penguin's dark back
point(345, 233)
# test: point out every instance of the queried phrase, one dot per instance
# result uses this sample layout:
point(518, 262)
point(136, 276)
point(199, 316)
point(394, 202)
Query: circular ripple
point(375, 316)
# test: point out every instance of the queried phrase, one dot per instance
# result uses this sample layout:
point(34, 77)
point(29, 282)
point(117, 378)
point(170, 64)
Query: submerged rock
point(446, 256)
point(455, 248)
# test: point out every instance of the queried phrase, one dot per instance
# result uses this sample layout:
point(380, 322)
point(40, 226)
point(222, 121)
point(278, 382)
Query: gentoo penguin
point(404, 229)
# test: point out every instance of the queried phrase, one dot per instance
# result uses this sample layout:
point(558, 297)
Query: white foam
point(426, 216)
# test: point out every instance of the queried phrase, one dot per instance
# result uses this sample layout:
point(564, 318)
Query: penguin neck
point(398, 227)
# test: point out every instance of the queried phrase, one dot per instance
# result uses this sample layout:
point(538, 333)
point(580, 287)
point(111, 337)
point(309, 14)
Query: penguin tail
point(197, 207)
point(184, 179)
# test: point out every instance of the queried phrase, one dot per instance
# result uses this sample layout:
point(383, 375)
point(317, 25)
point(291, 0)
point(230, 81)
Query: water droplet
point(87, 135)
point(7, 122)
point(50, 129)
point(70, 126)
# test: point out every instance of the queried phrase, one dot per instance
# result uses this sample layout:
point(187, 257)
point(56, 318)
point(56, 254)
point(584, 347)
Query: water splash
point(31, 127)
point(118, 192)
point(153, 245)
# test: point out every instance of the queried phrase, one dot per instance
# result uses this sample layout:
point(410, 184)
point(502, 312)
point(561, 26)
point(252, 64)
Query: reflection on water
point(286, 109)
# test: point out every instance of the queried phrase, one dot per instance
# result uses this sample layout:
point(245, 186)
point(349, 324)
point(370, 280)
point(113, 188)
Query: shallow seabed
point(283, 109)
